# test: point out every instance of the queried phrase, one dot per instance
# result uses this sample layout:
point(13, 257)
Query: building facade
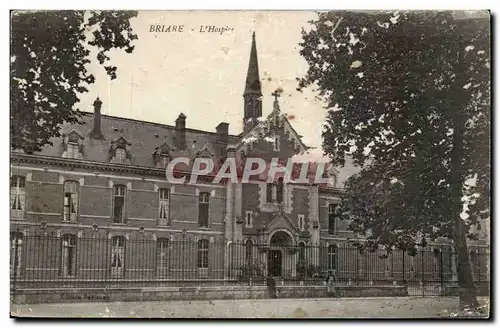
point(100, 190)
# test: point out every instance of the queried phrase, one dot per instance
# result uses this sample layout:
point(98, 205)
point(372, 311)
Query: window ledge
point(118, 223)
point(71, 221)
point(203, 228)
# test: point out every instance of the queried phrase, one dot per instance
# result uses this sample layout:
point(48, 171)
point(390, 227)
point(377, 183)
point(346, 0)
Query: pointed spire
point(252, 85)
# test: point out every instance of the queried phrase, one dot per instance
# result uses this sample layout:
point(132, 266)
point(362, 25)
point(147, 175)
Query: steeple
point(252, 85)
point(253, 91)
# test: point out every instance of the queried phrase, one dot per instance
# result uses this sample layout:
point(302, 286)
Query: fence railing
point(61, 260)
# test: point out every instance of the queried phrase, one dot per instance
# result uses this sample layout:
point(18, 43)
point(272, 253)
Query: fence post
point(441, 272)
point(108, 267)
point(404, 267)
point(14, 280)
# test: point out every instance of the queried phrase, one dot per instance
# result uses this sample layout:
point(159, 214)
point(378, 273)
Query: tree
point(49, 53)
point(408, 97)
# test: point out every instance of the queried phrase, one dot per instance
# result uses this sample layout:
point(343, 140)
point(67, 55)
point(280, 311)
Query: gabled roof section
point(164, 149)
point(205, 152)
point(281, 220)
point(253, 135)
point(73, 133)
point(121, 142)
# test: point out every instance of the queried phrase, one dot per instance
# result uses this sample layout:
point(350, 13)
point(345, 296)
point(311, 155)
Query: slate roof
point(143, 138)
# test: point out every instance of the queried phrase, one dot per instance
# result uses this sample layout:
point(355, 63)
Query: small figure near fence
point(331, 280)
point(271, 286)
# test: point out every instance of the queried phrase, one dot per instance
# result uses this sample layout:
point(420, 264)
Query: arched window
point(203, 253)
point(117, 256)
point(332, 257)
point(16, 251)
point(162, 256)
point(68, 260)
point(302, 251)
point(249, 251)
point(17, 196)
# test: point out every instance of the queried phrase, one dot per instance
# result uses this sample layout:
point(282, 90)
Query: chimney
point(222, 131)
point(96, 130)
point(180, 131)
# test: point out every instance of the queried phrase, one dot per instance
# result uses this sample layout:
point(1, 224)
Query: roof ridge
point(155, 123)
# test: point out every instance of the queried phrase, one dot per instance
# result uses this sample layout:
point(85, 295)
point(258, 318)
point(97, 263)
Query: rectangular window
point(279, 191)
point(332, 257)
point(72, 150)
point(17, 196)
point(276, 143)
point(269, 192)
point(70, 200)
point(203, 209)
point(332, 218)
point(164, 207)
point(301, 222)
point(162, 256)
point(302, 252)
point(16, 251)
point(117, 256)
point(248, 219)
point(120, 155)
point(249, 251)
point(165, 159)
point(68, 260)
point(119, 203)
point(203, 253)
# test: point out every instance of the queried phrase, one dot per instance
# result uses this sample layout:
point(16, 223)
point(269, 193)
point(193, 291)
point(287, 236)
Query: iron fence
point(106, 260)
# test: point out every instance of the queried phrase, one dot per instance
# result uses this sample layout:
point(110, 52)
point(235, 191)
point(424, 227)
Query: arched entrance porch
point(278, 261)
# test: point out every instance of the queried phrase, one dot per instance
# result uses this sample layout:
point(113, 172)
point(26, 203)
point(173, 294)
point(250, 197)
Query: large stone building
point(101, 191)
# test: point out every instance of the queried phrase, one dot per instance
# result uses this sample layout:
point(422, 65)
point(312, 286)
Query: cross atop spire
point(276, 95)
point(252, 85)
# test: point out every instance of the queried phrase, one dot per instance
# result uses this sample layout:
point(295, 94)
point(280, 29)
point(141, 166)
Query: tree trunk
point(465, 280)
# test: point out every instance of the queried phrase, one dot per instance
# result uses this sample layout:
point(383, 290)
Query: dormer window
point(164, 159)
point(119, 152)
point(120, 155)
point(204, 153)
point(161, 155)
point(73, 145)
point(72, 151)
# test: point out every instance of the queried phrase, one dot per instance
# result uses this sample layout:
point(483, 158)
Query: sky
point(203, 74)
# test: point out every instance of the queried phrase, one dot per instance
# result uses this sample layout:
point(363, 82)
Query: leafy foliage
point(395, 85)
point(408, 98)
point(251, 270)
point(306, 270)
point(49, 54)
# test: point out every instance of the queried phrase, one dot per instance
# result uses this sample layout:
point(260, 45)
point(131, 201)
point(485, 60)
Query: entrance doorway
point(280, 241)
point(274, 263)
